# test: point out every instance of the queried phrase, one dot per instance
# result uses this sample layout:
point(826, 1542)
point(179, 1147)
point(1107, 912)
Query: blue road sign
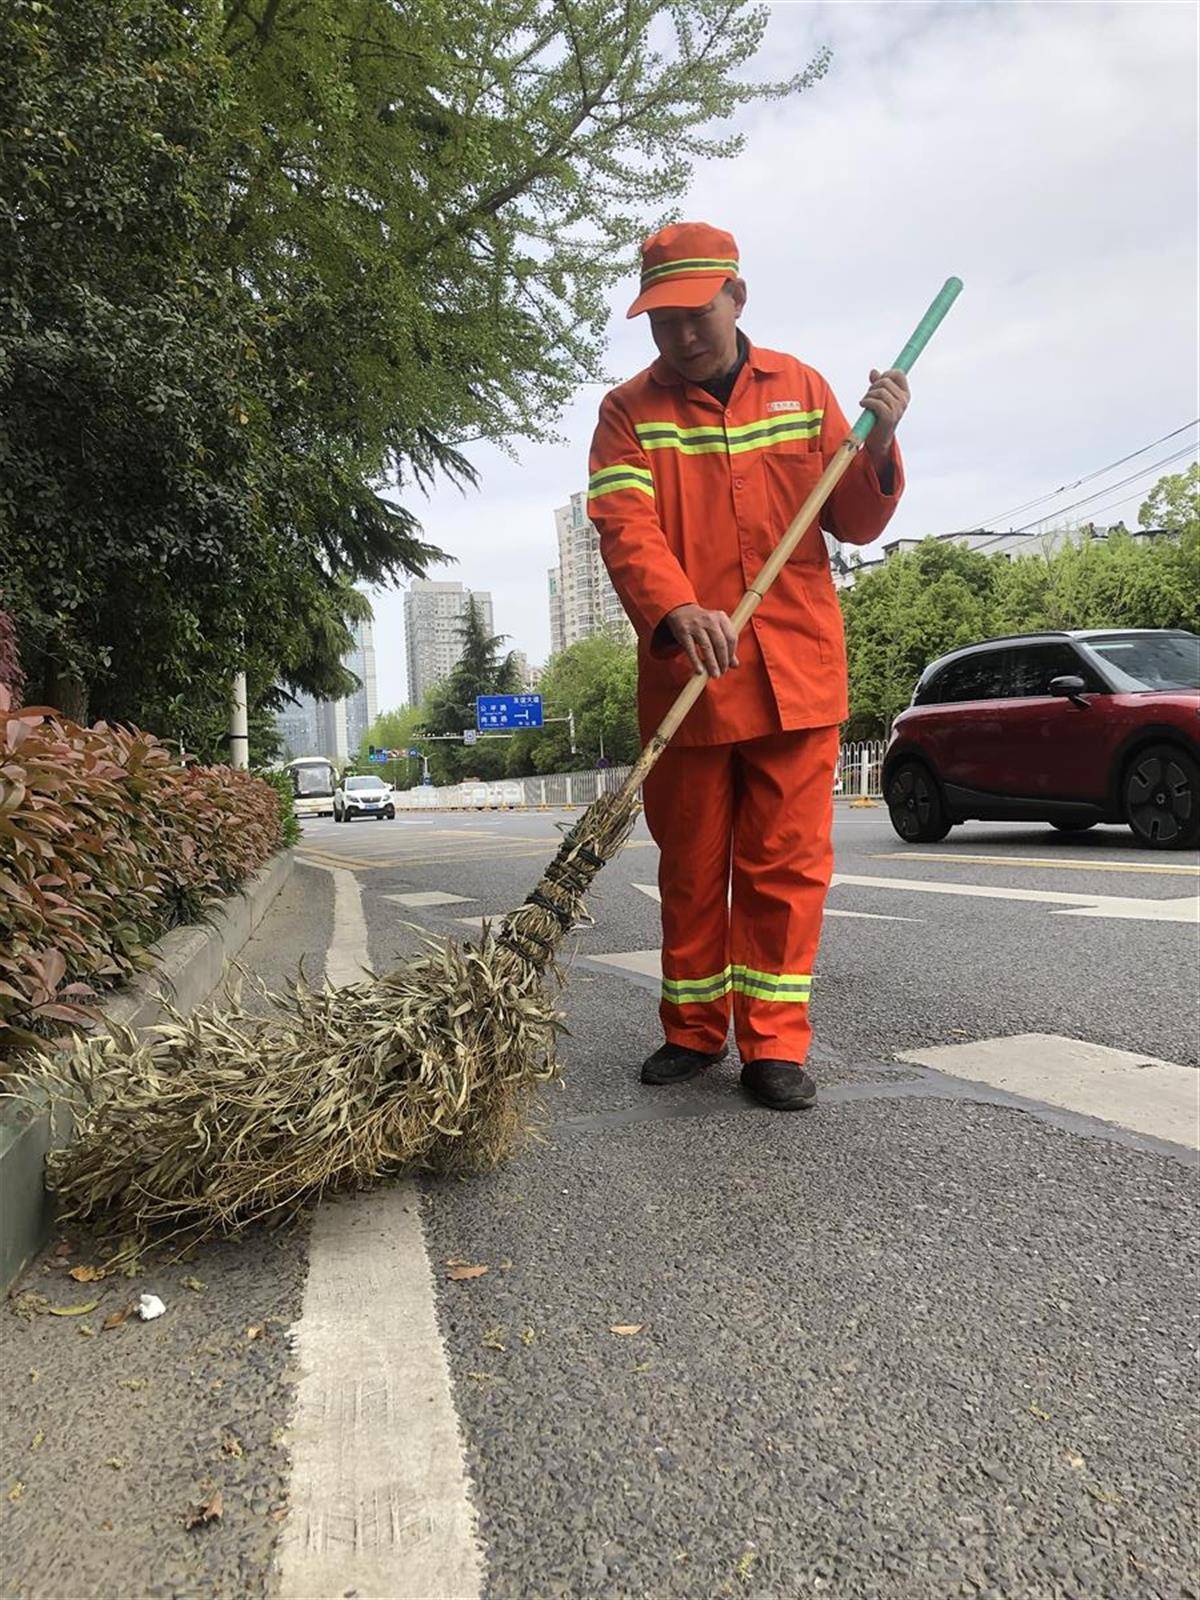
point(498, 712)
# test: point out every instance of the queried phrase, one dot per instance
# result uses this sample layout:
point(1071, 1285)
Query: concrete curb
point(190, 963)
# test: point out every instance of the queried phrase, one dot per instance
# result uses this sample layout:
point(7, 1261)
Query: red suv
point(1099, 725)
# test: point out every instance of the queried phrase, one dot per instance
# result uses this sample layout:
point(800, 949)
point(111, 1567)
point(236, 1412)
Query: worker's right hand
point(707, 637)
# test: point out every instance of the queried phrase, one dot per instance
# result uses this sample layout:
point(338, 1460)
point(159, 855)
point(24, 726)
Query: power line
point(1100, 493)
point(1087, 477)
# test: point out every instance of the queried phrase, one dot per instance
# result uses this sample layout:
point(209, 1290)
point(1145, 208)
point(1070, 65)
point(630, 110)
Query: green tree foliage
point(900, 615)
point(597, 680)
point(449, 706)
point(1174, 502)
point(266, 265)
point(914, 607)
point(393, 730)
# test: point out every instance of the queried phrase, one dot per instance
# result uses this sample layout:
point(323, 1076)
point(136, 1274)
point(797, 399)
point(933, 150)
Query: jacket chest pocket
point(791, 472)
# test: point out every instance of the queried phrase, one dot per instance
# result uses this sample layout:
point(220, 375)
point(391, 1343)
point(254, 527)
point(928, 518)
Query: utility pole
point(239, 725)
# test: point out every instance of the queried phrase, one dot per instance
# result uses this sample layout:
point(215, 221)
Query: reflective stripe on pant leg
point(689, 809)
point(782, 863)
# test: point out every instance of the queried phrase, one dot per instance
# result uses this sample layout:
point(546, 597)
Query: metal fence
point(858, 774)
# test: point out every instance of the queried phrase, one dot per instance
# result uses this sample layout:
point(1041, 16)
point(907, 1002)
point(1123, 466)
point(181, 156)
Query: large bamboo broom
point(226, 1117)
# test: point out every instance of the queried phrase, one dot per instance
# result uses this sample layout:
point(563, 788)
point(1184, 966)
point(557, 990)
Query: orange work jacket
point(689, 498)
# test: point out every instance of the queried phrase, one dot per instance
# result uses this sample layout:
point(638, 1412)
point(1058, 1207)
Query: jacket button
point(739, 483)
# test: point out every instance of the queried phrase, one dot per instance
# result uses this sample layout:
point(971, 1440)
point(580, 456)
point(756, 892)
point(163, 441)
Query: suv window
point(974, 677)
point(1032, 667)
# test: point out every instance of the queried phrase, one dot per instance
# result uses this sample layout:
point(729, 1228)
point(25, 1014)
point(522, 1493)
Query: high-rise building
point(335, 728)
point(582, 598)
point(528, 676)
point(433, 618)
point(362, 707)
point(558, 638)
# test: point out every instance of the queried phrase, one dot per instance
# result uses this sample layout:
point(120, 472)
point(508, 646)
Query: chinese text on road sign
point(501, 711)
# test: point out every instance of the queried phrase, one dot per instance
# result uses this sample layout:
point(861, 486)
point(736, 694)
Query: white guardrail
point(858, 774)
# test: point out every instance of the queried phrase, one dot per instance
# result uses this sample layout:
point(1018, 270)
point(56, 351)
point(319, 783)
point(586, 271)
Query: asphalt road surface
point(936, 1338)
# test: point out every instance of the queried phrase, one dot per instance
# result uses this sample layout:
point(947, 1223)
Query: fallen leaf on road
point(493, 1339)
point(117, 1463)
point(1104, 1496)
point(1042, 1416)
point(38, 1440)
point(87, 1274)
point(73, 1311)
point(231, 1445)
point(279, 1514)
point(1075, 1461)
point(63, 1248)
point(210, 1511)
point(459, 1273)
point(527, 1336)
point(255, 1331)
point(506, 1265)
point(194, 1285)
point(644, 1366)
point(28, 1304)
point(114, 1320)
point(86, 1331)
point(34, 1374)
point(15, 1493)
point(626, 1328)
point(134, 1383)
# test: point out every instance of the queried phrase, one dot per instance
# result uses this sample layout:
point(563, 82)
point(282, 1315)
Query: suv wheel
point(1160, 796)
point(915, 805)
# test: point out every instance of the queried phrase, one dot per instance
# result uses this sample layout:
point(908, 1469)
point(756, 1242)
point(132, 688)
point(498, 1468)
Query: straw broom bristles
point(224, 1118)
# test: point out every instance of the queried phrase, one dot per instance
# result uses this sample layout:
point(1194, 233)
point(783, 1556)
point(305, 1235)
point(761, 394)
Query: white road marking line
point(651, 890)
point(348, 959)
point(1078, 905)
point(1180, 870)
point(429, 897)
point(1134, 1091)
point(378, 1487)
point(379, 1495)
point(648, 962)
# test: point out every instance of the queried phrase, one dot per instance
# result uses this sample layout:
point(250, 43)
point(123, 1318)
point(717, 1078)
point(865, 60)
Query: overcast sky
point(1045, 153)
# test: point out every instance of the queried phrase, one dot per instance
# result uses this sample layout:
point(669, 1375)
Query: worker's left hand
point(888, 399)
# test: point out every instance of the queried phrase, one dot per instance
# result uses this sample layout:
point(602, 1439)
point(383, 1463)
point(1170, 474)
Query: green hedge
point(107, 841)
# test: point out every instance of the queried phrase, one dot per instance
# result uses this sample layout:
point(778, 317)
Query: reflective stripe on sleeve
point(607, 480)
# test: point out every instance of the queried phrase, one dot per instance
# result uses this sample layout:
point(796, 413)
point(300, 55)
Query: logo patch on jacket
point(785, 405)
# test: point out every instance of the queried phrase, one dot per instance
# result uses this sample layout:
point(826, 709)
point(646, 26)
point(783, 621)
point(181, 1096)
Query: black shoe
point(675, 1063)
point(782, 1085)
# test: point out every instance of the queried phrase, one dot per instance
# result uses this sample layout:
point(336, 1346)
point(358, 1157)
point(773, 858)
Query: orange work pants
point(744, 832)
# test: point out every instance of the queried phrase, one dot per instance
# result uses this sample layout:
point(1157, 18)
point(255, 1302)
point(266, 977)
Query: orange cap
point(685, 264)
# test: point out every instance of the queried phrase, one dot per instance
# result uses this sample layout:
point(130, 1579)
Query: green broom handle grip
point(922, 334)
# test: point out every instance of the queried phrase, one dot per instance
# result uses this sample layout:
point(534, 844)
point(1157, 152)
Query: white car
point(362, 797)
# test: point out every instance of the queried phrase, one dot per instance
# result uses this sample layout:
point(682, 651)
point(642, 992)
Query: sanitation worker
point(698, 465)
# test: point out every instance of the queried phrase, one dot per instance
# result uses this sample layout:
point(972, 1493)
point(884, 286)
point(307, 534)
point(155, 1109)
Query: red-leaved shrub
point(106, 842)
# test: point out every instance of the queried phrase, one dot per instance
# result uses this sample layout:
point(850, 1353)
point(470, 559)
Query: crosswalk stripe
point(1179, 870)
point(1140, 1092)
